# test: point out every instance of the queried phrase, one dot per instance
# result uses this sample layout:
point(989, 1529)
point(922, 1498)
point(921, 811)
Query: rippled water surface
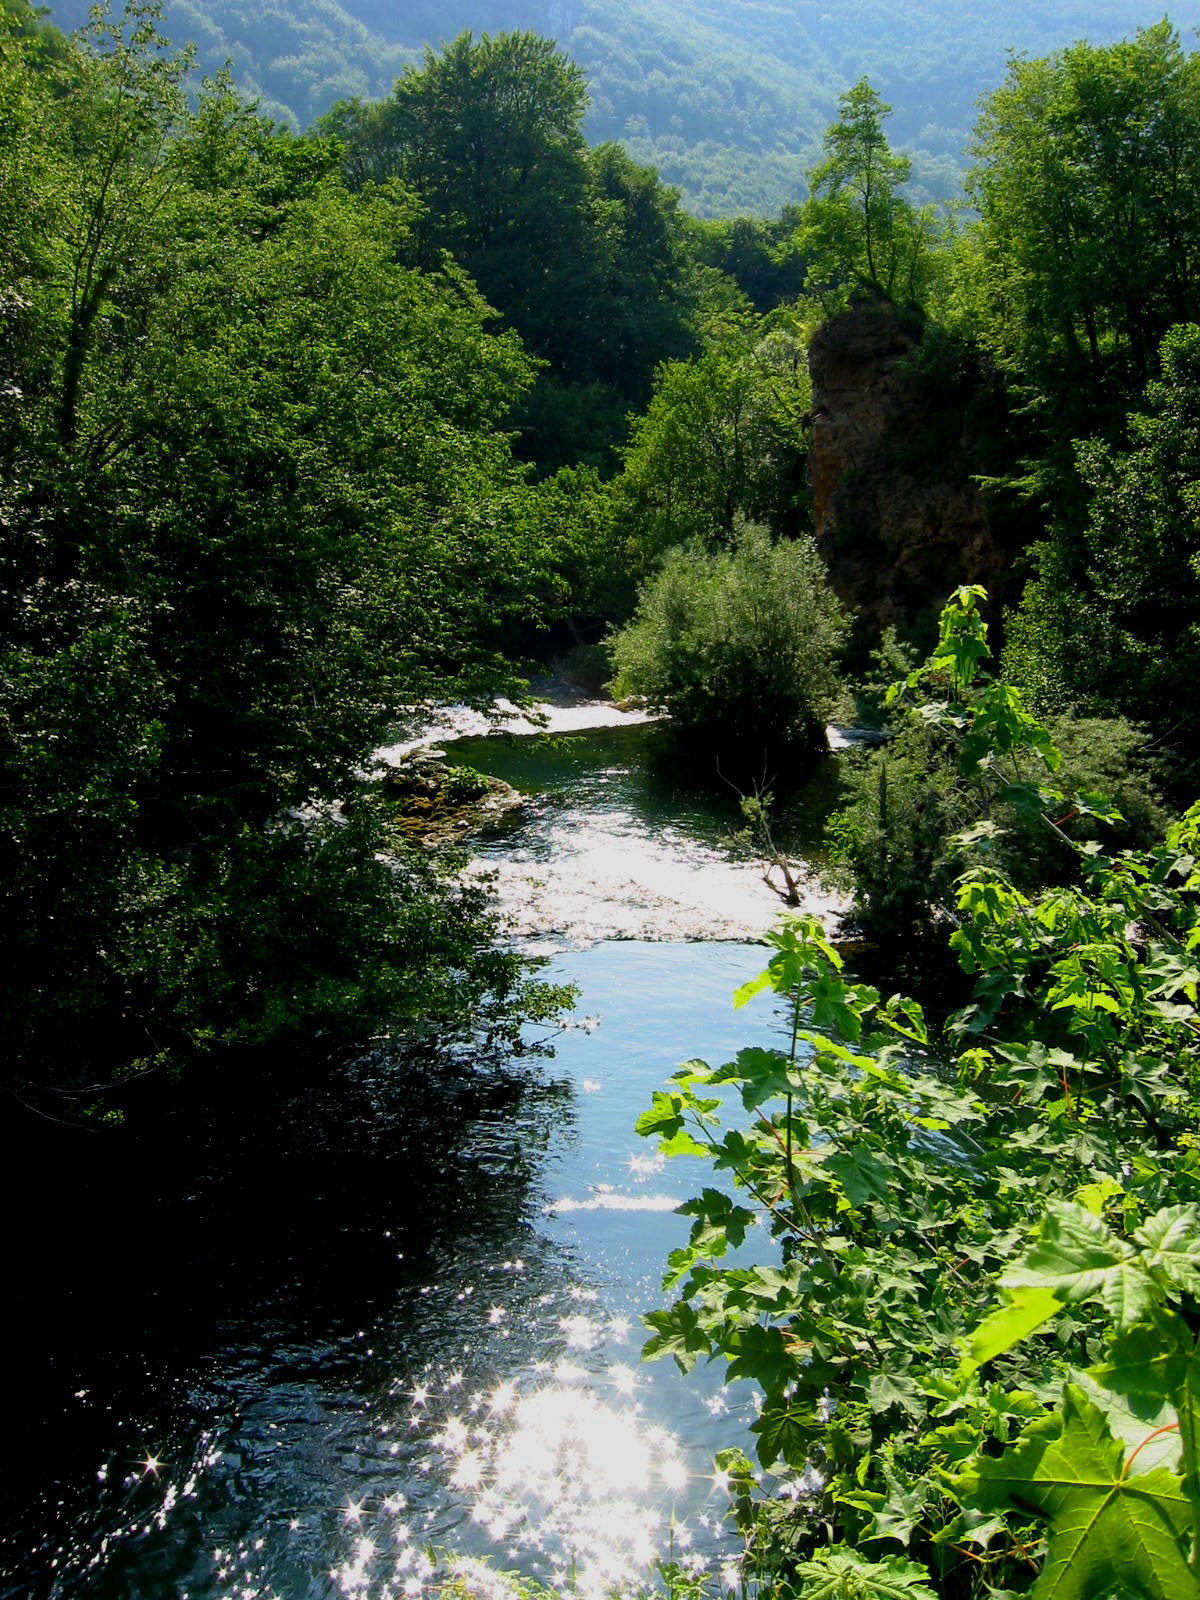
point(342, 1322)
point(613, 842)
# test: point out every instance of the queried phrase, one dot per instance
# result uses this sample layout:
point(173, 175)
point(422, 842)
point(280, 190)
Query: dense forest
point(303, 430)
point(728, 98)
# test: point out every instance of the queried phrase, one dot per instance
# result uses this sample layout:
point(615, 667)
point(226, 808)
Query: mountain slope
point(728, 98)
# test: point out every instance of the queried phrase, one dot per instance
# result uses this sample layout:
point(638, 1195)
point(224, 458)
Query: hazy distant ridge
point(728, 98)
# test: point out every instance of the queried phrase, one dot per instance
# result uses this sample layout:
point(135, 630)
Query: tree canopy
point(259, 493)
point(1089, 220)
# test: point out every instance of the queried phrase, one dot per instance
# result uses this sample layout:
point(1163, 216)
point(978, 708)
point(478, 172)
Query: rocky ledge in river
point(439, 804)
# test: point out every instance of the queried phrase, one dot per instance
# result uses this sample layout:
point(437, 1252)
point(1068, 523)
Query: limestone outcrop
point(899, 519)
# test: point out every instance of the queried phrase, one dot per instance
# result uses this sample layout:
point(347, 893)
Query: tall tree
point(857, 229)
point(488, 133)
point(283, 504)
point(1113, 622)
point(1088, 243)
point(583, 253)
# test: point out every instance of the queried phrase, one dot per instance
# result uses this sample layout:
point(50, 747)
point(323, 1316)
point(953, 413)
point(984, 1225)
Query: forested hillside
point(728, 98)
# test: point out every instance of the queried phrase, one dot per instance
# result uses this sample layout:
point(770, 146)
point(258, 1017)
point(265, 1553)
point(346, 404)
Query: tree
point(583, 254)
point(1089, 221)
point(1112, 623)
point(259, 493)
point(488, 134)
point(738, 646)
point(638, 301)
point(721, 442)
point(856, 229)
point(912, 1446)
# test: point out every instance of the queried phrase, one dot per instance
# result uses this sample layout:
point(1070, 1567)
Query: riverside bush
point(738, 646)
point(978, 1350)
point(913, 822)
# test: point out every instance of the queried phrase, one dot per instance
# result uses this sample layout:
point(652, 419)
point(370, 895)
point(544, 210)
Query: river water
point(405, 1320)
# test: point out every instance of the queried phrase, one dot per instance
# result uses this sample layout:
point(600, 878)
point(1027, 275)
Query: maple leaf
point(841, 1574)
point(1171, 1239)
point(1080, 1258)
point(1105, 1531)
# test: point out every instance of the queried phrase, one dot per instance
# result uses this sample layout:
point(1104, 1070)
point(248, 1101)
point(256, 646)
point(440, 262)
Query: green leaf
point(760, 1353)
point(1147, 1368)
point(1171, 1240)
point(783, 1430)
point(765, 1075)
point(899, 1514)
point(842, 1574)
point(677, 1333)
point(743, 995)
point(682, 1144)
point(1027, 1309)
point(719, 1223)
point(1104, 1530)
point(859, 1169)
point(1148, 1441)
point(833, 1006)
point(1077, 1256)
point(886, 1389)
point(664, 1116)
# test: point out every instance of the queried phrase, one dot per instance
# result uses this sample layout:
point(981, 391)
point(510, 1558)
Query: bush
point(737, 646)
point(898, 837)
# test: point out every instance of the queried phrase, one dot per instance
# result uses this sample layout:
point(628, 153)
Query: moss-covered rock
point(439, 804)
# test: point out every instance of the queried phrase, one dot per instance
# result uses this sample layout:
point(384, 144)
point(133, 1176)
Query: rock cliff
point(899, 519)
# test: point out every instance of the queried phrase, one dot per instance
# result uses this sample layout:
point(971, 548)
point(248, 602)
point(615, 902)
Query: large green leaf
point(1105, 1531)
point(677, 1332)
point(1027, 1308)
point(760, 1353)
point(1171, 1240)
point(764, 1075)
point(1080, 1258)
point(862, 1174)
point(783, 1430)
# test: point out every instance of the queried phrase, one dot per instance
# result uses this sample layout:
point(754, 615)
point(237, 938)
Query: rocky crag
point(899, 517)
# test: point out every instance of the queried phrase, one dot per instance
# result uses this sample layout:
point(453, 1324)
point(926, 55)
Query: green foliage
point(721, 442)
point(257, 494)
point(924, 807)
point(760, 256)
point(977, 1352)
point(487, 133)
point(738, 646)
point(857, 231)
point(1112, 623)
point(581, 252)
point(1087, 220)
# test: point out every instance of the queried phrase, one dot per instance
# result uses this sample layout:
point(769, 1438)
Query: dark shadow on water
point(242, 1231)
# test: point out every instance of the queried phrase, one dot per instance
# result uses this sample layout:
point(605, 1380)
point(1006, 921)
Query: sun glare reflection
point(563, 1471)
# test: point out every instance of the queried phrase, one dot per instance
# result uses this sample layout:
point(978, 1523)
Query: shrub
point(914, 820)
point(737, 646)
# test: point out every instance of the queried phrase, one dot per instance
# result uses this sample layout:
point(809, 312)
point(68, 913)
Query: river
point(404, 1316)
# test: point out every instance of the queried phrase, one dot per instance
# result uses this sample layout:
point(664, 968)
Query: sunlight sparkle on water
point(580, 1332)
point(560, 1469)
point(502, 1398)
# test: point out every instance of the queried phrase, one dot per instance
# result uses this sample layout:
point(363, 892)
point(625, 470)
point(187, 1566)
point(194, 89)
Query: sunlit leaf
point(1027, 1309)
point(1080, 1258)
point(1104, 1530)
point(1171, 1240)
point(842, 1574)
